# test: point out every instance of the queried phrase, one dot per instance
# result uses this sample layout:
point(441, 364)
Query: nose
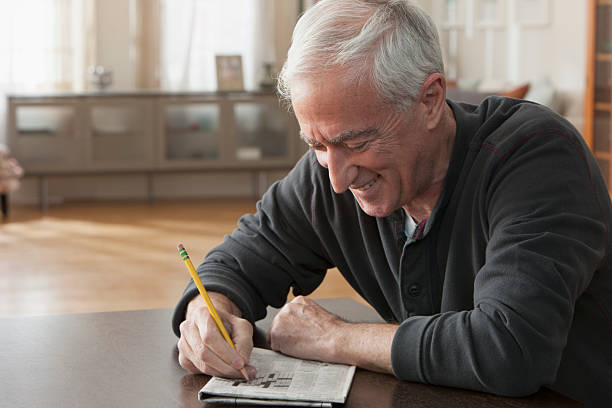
point(341, 171)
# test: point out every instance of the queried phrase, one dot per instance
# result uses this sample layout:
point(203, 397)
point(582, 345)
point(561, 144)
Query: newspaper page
point(286, 379)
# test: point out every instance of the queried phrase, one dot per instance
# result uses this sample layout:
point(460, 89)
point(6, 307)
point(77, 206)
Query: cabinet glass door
point(261, 131)
point(191, 132)
point(44, 136)
point(120, 135)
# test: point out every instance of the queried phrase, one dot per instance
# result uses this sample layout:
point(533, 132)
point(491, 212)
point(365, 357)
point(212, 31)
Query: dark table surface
point(129, 359)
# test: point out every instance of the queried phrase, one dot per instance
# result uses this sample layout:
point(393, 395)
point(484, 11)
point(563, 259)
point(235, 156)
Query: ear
point(433, 98)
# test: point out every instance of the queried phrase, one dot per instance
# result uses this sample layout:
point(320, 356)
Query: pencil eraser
point(180, 246)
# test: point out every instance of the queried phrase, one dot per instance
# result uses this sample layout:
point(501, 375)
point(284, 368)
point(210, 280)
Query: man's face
point(368, 147)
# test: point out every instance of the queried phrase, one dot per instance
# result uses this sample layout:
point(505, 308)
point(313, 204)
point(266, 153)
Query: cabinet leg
point(43, 193)
point(4, 204)
point(149, 188)
point(260, 183)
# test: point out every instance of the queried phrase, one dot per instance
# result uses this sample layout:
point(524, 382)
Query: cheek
point(388, 148)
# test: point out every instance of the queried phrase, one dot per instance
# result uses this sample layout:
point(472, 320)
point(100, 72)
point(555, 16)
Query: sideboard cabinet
point(598, 100)
point(151, 132)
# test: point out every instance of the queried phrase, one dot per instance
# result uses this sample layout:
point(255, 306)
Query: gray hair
point(393, 44)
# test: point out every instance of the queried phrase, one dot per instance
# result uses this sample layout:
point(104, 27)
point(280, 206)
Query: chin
point(377, 211)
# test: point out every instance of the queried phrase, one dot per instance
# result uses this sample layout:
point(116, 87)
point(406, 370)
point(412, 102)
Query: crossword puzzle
point(274, 380)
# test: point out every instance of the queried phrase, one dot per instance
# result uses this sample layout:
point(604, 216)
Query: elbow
point(518, 379)
point(517, 387)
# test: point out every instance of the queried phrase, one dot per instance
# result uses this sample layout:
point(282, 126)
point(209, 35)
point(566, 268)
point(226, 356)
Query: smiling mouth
point(367, 185)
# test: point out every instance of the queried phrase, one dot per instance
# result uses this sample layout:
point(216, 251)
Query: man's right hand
point(202, 348)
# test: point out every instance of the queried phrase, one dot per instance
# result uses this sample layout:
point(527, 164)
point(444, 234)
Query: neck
point(423, 205)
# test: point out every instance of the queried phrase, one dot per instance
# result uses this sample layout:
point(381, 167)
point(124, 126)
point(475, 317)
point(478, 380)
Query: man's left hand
point(304, 329)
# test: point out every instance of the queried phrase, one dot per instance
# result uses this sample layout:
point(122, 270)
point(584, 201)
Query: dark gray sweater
point(509, 286)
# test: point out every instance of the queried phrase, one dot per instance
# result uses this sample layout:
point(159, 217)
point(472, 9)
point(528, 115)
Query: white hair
point(393, 44)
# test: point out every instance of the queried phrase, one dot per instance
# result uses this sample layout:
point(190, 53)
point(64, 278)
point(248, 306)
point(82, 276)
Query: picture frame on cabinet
point(229, 73)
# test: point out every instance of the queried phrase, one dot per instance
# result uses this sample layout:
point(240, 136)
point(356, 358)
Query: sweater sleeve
point(546, 235)
point(271, 251)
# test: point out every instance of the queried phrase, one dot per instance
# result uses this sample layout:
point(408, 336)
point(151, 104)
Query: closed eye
point(356, 147)
point(317, 146)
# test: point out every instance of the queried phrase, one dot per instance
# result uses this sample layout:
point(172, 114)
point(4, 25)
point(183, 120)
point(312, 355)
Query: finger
point(243, 337)
point(188, 365)
point(215, 373)
point(201, 353)
point(186, 353)
point(300, 299)
point(183, 357)
point(216, 343)
point(251, 371)
point(217, 352)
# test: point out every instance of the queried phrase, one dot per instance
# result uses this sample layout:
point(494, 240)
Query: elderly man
point(480, 233)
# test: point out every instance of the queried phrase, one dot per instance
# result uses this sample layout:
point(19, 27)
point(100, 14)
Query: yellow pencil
point(209, 303)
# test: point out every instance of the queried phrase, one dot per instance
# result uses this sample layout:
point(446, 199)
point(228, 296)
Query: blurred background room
point(129, 126)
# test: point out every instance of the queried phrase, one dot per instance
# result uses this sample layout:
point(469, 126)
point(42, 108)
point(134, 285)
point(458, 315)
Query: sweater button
point(414, 290)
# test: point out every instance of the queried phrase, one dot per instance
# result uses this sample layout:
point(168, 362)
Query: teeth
point(368, 185)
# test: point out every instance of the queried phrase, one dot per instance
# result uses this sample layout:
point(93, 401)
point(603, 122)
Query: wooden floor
point(95, 257)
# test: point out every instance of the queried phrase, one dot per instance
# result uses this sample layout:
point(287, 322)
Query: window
point(193, 32)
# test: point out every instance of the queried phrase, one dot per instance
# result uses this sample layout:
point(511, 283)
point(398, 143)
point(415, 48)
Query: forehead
point(331, 105)
point(332, 92)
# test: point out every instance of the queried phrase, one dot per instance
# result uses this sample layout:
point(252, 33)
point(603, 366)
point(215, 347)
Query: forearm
point(366, 345)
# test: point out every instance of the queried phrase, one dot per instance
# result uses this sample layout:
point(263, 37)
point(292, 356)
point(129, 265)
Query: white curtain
point(194, 31)
point(40, 48)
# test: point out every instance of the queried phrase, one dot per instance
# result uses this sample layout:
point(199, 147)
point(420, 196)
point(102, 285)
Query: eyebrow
point(342, 137)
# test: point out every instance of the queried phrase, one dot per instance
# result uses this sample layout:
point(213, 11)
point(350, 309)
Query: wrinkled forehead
point(333, 92)
point(339, 111)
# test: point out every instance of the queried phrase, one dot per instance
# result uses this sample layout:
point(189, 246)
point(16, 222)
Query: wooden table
point(129, 359)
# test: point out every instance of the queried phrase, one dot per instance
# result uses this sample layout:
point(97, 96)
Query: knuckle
point(210, 322)
point(208, 336)
point(281, 313)
point(210, 370)
point(203, 312)
point(282, 317)
point(203, 353)
point(244, 325)
point(183, 326)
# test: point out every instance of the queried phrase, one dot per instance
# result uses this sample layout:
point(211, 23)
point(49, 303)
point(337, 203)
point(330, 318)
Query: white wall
point(114, 21)
point(556, 50)
point(117, 42)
